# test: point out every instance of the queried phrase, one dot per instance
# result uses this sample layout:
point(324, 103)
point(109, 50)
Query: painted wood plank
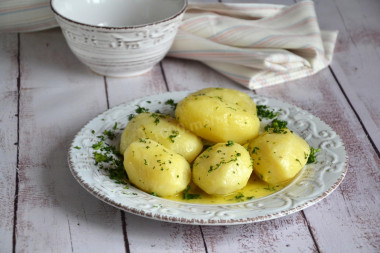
point(58, 96)
point(192, 75)
point(8, 136)
point(357, 55)
point(287, 234)
point(347, 220)
point(145, 235)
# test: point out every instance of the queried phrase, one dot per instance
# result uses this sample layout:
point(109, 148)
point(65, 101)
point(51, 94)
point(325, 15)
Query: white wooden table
point(47, 95)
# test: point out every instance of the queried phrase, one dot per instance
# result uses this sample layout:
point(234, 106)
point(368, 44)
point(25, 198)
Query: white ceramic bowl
point(119, 37)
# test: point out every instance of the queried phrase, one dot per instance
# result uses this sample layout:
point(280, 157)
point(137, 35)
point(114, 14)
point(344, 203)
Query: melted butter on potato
point(155, 169)
point(219, 115)
point(222, 168)
point(163, 129)
point(278, 157)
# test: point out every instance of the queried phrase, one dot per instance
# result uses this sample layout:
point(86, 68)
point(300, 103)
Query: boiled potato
point(231, 96)
point(222, 168)
point(163, 129)
point(278, 157)
point(155, 169)
point(219, 115)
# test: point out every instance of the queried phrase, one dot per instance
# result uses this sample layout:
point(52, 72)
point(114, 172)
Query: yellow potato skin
point(278, 157)
point(231, 96)
point(155, 169)
point(163, 129)
point(219, 115)
point(222, 169)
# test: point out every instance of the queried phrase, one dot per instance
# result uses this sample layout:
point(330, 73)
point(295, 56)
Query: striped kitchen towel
point(256, 45)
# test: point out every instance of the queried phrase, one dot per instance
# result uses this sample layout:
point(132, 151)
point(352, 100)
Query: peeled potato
point(231, 96)
point(219, 115)
point(163, 129)
point(156, 169)
point(278, 157)
point(222, 168)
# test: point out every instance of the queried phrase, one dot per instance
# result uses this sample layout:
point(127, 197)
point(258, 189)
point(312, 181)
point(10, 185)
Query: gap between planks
point(15, 206)
point(355, 112)
point(122, 213)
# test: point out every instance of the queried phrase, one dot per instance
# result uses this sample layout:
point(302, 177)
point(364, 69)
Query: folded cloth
point(256, 45)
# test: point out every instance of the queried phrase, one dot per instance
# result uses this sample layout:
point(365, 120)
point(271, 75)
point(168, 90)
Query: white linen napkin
point(256, 45)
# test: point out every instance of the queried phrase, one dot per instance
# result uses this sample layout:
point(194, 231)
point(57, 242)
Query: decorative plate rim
point(145, 205)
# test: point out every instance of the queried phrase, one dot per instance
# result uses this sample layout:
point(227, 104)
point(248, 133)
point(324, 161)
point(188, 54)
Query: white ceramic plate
point(313, 184)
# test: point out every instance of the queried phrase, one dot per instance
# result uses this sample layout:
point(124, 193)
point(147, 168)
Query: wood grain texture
point(58, 96)
point(357, 55)
point(287, 234)
point(350, 214)
point(8, 136)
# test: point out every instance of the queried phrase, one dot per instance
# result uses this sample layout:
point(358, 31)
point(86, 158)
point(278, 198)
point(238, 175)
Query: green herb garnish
point(187, 195)
point(131, 116)
point(171, 103)
point(110, 134)
point(141, 109)
point(263, 111)
point(173, 135)
point(277, 126)
point(108, 158)
point(230, 143)
point(239, 197)
point(312, 157)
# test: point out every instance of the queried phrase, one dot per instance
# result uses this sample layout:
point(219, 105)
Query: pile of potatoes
point(162, 154)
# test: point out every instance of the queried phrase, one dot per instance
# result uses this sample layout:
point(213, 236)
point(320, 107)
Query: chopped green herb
point(268, 188)
point(239, 196)
point(97, 145)
point(174, 134)
point(230, 143)
point(277, 126)
point(157, 117)
point(171, 103)
point(187, 195)
point(110, 134)
point(254, 150)
point(141, 109)
point(131, 116)
point(108, 158)
point(115, 126)
point(312, 157)
point(263, 111)
point(76, 147)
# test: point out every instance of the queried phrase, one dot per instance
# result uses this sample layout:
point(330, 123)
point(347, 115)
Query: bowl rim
point(184, 7)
